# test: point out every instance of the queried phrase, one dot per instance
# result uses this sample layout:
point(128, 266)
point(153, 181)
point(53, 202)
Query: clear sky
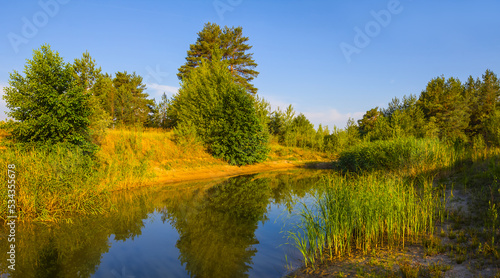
point(330, 59)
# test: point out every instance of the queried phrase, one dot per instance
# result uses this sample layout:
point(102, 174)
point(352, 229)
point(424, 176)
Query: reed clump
point(408, 154)
point(364, 212)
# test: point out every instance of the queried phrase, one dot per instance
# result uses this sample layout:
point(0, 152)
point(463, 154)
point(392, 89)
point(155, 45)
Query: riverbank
point(464, 238)
point(456, 249)
point(56, 181)
point(226, 171)
point(156, 158)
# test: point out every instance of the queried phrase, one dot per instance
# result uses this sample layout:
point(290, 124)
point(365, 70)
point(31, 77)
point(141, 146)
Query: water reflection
point(204, 229)
point(217, 231)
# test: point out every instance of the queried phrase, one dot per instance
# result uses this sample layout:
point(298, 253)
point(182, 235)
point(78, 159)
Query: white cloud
point(275, 103)
point(332, 117)
point(157, 90)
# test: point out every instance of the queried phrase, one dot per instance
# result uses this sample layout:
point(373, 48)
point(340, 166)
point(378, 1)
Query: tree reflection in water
point(217, 229)
point(215, 220)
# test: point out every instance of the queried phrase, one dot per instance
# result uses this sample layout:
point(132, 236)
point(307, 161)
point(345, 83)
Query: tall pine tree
point(131, 105)
point(233, 48)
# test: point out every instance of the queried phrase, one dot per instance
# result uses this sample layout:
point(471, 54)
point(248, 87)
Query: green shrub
point(222, 113)
point(393, 154)
point(238, 136)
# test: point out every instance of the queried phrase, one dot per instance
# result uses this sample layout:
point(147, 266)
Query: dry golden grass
point(147, 154)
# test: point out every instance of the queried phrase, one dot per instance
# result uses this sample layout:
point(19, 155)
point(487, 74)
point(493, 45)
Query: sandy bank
point(222, 171)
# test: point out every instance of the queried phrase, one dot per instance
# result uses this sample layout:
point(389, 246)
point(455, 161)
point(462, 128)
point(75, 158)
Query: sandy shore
point(219, 171)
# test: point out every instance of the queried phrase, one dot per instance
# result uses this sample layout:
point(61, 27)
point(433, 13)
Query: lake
point(231, 227)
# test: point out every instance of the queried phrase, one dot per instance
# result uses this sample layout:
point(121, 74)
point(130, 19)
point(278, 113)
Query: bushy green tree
point(47, 103)
point(105, 91)
point(341, 139)
point(161, 113)
point(367, 123)
point(406, 118)
point(492, 128)
point(302, 132)
point(483, 97)
point(263, 110)
point(280, 124)
point(238, 136)
point(222, 112)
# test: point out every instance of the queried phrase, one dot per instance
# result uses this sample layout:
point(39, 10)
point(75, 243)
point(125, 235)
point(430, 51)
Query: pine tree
point(444, 102)
point(233, 45)
point(161, 116)
point(88, 75)
point(471, 93)
point(132, 104)
point(406, 118)
point(367, 123)
point(104, 90)
point(487, 100)
point(86, 71)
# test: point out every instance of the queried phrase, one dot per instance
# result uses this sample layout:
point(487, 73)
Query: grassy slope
point(51, 184)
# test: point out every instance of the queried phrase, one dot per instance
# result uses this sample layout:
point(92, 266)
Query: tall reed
point(364, 212)
point(408, 154)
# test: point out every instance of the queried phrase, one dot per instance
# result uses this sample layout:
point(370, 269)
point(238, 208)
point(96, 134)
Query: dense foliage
point(222, 113)
point(47, 103)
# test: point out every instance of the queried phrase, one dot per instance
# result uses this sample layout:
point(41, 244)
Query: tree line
point(217, 106)
point(455, 111)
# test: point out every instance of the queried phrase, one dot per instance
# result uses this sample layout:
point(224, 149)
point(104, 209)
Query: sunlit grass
point(54, 181)
point(390, 193)
point(363, 213)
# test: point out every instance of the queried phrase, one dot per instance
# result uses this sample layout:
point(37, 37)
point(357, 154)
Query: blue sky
point(330, 59)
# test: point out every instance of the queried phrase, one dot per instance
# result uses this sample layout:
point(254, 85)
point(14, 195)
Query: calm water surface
point(225, 228)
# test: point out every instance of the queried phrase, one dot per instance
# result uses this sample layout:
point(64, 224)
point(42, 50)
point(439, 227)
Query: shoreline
point(227, 171)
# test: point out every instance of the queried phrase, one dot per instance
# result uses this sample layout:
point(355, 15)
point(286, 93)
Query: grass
point(54, 182)
point(51, 183)
point(394, 192)
point(408, 154)
point(364, 212)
